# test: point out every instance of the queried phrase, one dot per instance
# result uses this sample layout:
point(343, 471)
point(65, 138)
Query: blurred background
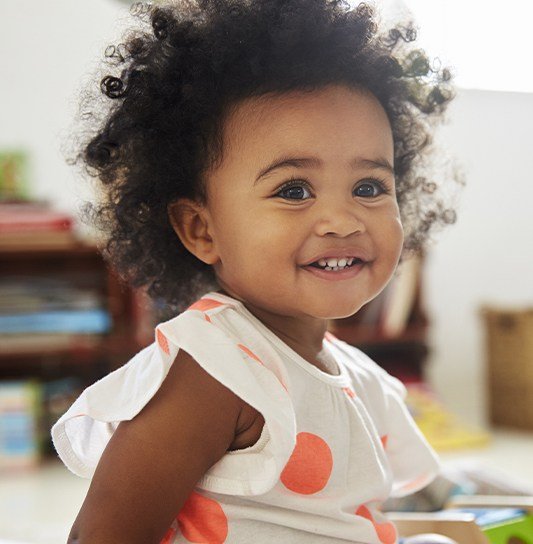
point(456, 325)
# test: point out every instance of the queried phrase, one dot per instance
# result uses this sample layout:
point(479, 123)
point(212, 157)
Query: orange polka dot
point(384, 439)
point(163, 342)
point(202, 520)
point(349, 391)
point(207, 318)
point(205, 304)
point(309, 467)
point(364, 512)
point(250, 353)
point(386, 531)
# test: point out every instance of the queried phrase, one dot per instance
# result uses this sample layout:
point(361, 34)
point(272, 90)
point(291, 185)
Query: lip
point(340, 252)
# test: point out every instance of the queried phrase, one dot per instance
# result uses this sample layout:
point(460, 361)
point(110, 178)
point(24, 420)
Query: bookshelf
point(46, 357)
point(81, 266)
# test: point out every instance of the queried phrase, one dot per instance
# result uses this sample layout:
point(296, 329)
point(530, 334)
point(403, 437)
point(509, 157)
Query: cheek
point(248, 237)
point(391, 237)
point(398, 227)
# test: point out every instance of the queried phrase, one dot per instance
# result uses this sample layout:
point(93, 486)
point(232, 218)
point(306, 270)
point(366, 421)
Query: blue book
point(486, 517)
point(94, 321)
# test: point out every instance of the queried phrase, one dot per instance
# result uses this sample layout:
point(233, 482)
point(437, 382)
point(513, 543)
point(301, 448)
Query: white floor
point(39, 507)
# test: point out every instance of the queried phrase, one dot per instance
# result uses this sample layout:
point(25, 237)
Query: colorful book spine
point(95, 321)
point(19, 424)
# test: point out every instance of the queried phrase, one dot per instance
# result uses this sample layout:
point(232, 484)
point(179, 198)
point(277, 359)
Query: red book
point(19, 218)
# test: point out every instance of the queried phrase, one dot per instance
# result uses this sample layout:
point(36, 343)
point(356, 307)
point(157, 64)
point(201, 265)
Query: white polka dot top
point(333, 447)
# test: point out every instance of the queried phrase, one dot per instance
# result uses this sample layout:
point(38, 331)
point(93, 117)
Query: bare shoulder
point(153, 462)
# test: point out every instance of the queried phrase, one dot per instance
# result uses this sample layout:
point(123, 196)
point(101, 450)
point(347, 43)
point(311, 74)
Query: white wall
point(46, 51)
point(487, 256)
point(48, 48)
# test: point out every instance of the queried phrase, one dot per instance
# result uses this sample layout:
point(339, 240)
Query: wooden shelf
point(80, 264)
point(24, 252)
point(359, 336)
point(57, 366)
point(61, 346)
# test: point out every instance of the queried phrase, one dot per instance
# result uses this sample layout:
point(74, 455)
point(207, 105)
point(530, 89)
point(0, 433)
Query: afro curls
point(172, 80)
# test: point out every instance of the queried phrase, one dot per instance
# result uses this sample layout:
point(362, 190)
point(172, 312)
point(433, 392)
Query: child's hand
point(152, 462)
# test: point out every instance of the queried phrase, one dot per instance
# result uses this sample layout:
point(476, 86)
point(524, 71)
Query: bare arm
point(153, 462)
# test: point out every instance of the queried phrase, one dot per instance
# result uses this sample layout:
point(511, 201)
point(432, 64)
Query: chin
point(339, 311)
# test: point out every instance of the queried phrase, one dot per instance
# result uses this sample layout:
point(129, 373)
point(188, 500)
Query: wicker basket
point(509, 340)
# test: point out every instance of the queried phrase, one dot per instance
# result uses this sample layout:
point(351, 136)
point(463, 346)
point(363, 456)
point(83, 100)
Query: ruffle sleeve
point(412, 461)
point(243, 365)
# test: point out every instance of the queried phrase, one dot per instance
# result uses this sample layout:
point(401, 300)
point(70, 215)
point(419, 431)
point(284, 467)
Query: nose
point(339, 219)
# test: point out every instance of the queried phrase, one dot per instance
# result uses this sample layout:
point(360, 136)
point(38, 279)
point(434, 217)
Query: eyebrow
point(313, 162)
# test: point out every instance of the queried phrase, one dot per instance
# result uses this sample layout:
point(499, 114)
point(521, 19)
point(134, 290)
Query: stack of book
point(28, 409)
point(34, 226)
point(20, 405)
point(37, 313)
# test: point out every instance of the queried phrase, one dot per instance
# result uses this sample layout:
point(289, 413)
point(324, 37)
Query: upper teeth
point(334, 262)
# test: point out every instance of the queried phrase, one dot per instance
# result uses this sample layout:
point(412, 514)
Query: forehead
point(335, 122)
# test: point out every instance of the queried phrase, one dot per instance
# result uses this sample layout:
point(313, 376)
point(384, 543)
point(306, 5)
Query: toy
point(504, 520)
point(503, 525)
point(474, 520)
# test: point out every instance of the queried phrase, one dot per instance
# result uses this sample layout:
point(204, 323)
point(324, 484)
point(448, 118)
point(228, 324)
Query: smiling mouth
point(341, 264)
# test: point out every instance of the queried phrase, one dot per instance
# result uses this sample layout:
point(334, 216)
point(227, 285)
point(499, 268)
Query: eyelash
point(295, 182)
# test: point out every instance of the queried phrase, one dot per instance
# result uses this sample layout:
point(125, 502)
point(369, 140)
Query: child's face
point(262, 239)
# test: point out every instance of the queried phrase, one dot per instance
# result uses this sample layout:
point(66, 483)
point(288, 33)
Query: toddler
point(258, 163)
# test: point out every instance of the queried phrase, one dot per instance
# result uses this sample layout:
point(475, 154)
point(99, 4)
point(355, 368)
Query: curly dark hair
point(176, 77)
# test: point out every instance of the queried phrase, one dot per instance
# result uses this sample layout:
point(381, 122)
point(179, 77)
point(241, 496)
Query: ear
point(190, 221)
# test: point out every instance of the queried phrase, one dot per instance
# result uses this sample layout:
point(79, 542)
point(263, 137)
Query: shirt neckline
point(340, 380)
